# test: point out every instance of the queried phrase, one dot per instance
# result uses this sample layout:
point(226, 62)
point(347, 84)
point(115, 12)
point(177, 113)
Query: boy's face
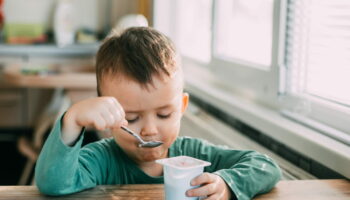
point(154, 112)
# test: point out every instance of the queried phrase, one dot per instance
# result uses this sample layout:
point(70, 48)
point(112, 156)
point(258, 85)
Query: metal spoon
point(148, 144)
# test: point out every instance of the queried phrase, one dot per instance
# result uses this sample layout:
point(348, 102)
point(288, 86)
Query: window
point(244, 31)
point(318, 63)
point(189, 26)
point(246, 47)
point(291, 55)
point(237, 39)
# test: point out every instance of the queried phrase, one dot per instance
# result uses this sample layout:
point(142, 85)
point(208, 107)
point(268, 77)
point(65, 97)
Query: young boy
point(140, 85)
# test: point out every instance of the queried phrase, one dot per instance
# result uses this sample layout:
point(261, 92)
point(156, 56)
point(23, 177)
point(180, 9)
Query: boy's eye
point(132, 120)
point(164, 116)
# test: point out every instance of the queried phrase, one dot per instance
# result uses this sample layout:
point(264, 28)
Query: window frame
point(331, 114)
point(265, 87)
point(249, 78)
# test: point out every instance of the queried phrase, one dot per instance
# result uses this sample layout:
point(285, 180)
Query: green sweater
point(62, 169)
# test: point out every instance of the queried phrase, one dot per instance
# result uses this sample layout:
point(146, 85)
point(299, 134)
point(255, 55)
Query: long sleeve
point(62, 169)
point(247, 173)
point(251, 174)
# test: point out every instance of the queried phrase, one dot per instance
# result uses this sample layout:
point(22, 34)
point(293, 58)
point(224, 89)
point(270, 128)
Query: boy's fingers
point(119, 121)
point(113, 117)
point(205, 190)
point(109, 118)
point(112, 100)
point(125, 122)
point(118, 114)
point(118, 107)
point(115, 102)
point(202, 179)
point(99, 123)
point(213, 197)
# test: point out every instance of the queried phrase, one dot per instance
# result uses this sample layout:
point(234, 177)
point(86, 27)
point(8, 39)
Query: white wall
point(88, 13)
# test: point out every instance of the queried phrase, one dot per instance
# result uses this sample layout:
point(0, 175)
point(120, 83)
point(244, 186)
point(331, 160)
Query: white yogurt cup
point(178, 173)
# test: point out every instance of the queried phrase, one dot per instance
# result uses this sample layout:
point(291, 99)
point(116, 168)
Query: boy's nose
point(149, 129)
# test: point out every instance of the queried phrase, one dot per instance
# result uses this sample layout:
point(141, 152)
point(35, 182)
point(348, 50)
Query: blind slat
point(318, 46)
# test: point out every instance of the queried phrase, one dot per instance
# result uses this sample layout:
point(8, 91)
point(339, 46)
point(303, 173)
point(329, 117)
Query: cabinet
point(19, 107)
point(11, 106)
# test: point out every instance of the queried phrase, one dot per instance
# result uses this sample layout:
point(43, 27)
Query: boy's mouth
point(150, 144)
point(148, 139)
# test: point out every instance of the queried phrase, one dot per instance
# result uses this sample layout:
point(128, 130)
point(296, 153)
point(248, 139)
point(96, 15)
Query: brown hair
point(138, 53)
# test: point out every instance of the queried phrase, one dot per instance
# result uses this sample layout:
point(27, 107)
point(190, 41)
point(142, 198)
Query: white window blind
point(317, 58)
point(318, 48)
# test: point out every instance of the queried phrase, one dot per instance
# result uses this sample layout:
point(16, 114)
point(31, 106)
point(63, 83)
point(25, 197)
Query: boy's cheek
point(170, 126)
point(170, 138)
point(123, 139)
point(167, 142)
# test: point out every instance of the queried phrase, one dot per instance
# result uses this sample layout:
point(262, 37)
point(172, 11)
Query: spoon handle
point(132, 133)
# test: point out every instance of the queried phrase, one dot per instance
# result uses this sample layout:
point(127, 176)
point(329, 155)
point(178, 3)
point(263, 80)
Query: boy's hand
point(100, 112)
point(212, 186)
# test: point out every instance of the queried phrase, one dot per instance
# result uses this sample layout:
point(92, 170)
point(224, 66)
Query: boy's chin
point(149, 158)
point(152, 156)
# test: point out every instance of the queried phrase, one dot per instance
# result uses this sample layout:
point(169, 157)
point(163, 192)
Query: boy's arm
point(247, 173)
point(63, 169)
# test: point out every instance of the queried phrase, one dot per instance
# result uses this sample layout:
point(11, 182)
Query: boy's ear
point(185, 99)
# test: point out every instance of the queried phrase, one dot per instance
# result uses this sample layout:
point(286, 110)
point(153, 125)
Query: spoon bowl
point(146, 144)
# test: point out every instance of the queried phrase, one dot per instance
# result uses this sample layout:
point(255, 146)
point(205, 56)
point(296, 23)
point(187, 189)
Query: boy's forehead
point(175, 78)
point(133, 95)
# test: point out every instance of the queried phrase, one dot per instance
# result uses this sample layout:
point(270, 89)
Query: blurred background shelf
point(81, 50)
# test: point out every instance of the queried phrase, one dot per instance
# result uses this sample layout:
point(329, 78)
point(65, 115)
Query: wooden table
point(309, 190)
point(286, 190)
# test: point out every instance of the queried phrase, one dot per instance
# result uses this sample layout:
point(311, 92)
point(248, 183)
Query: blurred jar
point(64, 26)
